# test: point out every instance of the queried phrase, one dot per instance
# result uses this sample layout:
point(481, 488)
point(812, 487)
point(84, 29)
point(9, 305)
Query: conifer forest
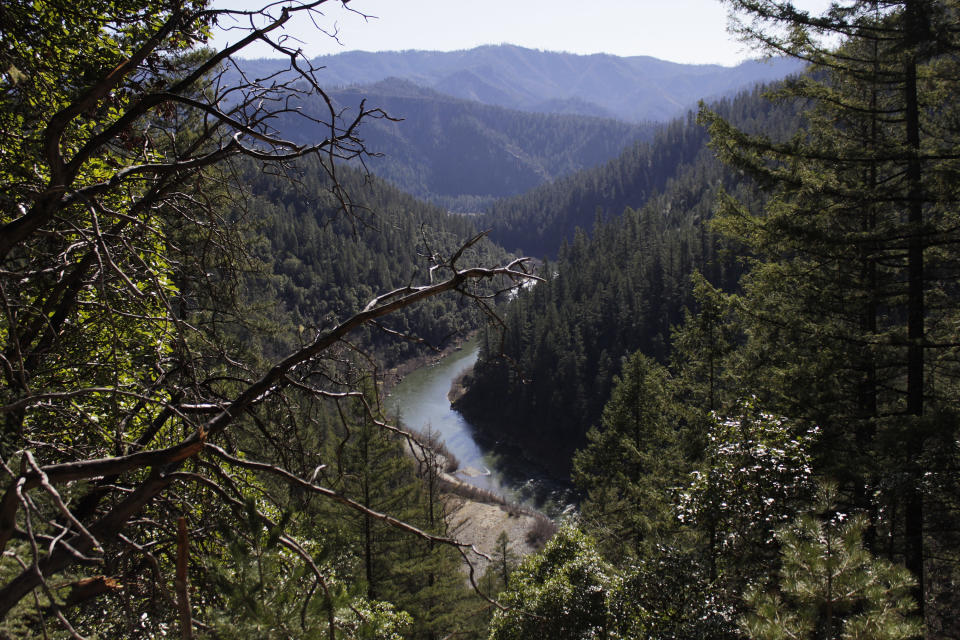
point(715, 310)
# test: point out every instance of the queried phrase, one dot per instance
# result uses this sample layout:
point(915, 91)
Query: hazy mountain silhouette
point(463, 154)
point(635, 89)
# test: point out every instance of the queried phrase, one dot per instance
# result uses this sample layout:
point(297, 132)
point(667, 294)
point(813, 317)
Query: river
point(420, 400)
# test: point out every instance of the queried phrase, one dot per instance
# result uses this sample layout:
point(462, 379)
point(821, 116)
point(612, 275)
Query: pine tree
point(701, 344)
point(372, 469)
point(630, 462)
point(831, 587)
point(505, 559)
point(855, 244)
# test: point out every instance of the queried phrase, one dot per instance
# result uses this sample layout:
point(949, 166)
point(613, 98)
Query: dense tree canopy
point(842, 323)
point(464, 155)
point(850, 305)
point(619, 289)
point(196, 308)
point(675, 165)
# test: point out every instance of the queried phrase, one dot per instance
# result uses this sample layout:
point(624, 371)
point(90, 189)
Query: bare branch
point(333, 495)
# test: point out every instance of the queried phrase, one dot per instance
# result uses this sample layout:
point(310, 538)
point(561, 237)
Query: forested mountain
point(635, 89)
point(539, 221)
point(462, 154)
point(620, 284)
point(468, 130)
point(321, 265)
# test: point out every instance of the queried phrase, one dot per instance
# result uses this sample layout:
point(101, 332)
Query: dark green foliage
point(619, 291)
point(264, 591)
point(755, 475)
point(327, 266)
point(568, 590)
point(504, 561)
point(603, 300)
point(676, 165)
point(560, 592)
point(700, 348)
point(849, 311)
point(669, 595)
point(831, 586)
point(152, 279)
point(369, 465)
point(631, 463)
point(464, 155)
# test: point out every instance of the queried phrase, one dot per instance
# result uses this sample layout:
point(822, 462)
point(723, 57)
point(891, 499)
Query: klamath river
point(420, 400)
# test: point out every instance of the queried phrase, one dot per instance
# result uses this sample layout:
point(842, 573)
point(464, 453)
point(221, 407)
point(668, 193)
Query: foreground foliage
point(831, 586)
point(175, 449)
point(561, 592)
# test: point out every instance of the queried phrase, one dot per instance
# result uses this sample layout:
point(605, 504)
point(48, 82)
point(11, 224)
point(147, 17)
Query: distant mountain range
point(497, 121)
point(463, 155)
point(634, 89)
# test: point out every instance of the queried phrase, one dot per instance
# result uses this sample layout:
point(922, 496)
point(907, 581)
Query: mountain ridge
point(635, 89)
point(464, 154)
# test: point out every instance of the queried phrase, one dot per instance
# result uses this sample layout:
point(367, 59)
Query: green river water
point(421, 402)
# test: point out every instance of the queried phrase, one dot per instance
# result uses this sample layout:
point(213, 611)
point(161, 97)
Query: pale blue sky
point(688, 31)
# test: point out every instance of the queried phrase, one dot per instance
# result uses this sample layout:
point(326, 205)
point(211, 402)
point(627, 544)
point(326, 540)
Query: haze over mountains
point(497, 121)
point(462, 154)
point(634, 89)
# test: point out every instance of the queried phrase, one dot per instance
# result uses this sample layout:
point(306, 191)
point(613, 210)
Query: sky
point(687, 31)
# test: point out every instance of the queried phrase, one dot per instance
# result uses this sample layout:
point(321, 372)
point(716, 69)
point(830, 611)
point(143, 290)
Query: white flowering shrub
point(756, 476)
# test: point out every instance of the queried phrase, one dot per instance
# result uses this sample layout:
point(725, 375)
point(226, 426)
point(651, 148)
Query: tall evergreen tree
point(375, 472)
point(631, 462)
point(858, 241)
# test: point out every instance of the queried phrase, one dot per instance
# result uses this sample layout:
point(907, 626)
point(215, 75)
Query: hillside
point(468, 128)
point(618, 285)
point(463, 155)
point(324, 265)
point(540, 221)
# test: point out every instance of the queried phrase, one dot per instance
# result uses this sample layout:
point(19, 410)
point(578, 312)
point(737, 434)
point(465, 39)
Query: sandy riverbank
point(480, 523)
